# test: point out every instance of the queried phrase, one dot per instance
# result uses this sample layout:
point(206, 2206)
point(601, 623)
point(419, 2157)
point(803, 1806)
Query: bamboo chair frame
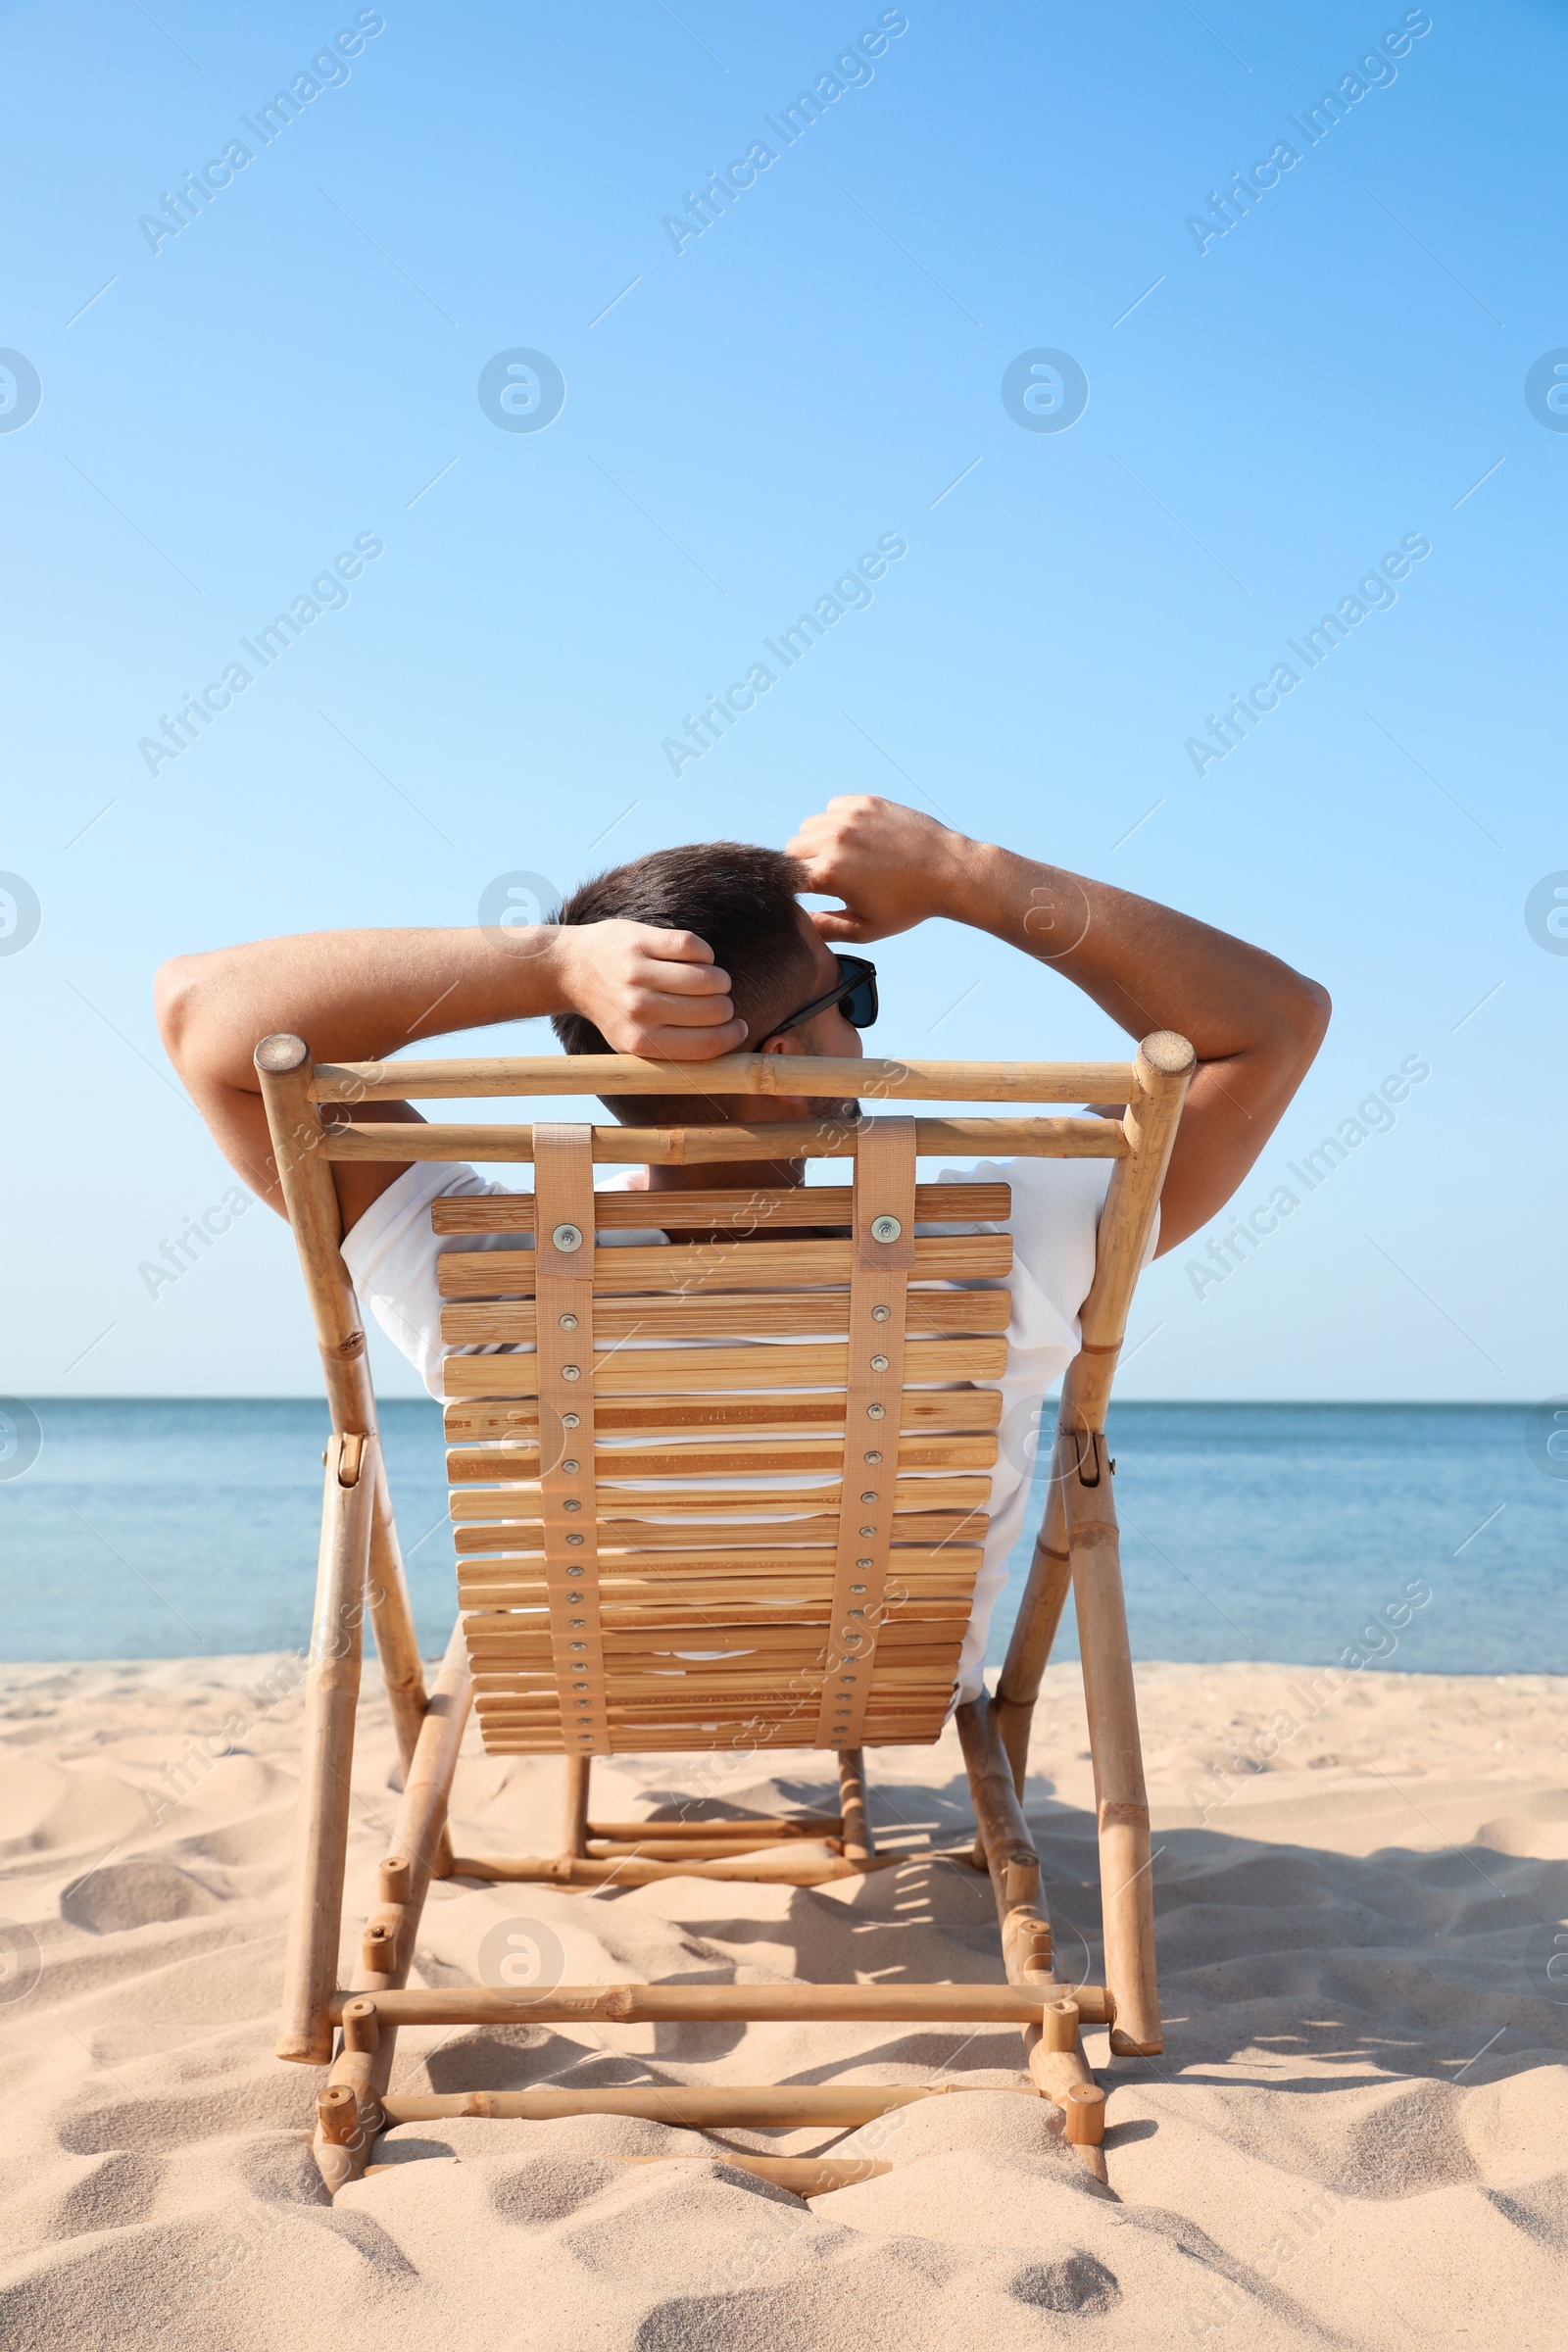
point(354, 2029)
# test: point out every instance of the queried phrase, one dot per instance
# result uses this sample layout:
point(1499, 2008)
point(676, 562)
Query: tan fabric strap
point(564, 1239)
point(884, 1257)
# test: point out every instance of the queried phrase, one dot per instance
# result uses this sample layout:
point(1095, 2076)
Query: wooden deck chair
point(612, 1602)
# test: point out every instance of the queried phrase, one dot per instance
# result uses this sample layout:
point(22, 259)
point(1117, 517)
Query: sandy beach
point(1357, 2135)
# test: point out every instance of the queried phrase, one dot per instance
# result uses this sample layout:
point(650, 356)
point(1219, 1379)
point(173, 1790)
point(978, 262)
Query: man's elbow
point(1314, 1012)
point(182, 994)
point(1302, 1028)
point(173, 990)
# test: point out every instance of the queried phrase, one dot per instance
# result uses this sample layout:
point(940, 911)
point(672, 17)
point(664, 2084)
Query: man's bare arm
point(1253, 1023)
point(360, 996)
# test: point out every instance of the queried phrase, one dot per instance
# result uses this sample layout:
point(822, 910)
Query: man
point(705, 950)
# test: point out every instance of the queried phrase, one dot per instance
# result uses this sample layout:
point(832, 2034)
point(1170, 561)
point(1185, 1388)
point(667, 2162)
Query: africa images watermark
point(1316, 1689)
point(850, 593)
point(327, 593)
point(1373, 1115)
point(328, 71)
point(850, 71)
point(21, 914)
point(1374, 592)
point(1229, 207)
point(186, 1773)
point(195, 1238)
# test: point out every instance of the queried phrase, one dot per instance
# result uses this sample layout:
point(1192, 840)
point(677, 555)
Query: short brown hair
point(742, 900)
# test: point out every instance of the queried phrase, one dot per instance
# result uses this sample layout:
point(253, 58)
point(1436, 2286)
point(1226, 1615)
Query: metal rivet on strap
point(571, 1468)
point(873, 1458)
point(885, 1229)
point(574, 1539)
point(571, 1503)
point(879, 1363)
point(876, 1412)
point(880, 1314)
point(863, 1564)
point(570, 1372)
point(870, 1496)
point(865, 1531)
point(568, 1237)
point(570, 1420)
point(568, 1322)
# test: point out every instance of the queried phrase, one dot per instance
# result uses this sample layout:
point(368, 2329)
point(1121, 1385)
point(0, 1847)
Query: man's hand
point(892, 867)
point(648, 991)
point(1253, 1023)
point(360, 996)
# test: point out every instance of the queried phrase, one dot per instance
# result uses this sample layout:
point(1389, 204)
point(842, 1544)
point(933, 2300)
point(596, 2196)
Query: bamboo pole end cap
point(1085, 2109)
point(337, 2111)
point(1167, 1053)
point(280, 1054)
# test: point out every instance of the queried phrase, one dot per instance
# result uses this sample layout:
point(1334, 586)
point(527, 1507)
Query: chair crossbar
point(694, 1146)
point(729, 1074)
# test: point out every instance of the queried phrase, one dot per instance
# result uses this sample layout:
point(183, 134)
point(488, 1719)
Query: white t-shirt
point(391, 1254)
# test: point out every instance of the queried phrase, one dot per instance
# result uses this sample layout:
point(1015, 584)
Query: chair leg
point(574, 1832)
point(331, 1695)
point(1121, 1801)
point(853, 1811)
point(1056, 2064)
point(345, 2133)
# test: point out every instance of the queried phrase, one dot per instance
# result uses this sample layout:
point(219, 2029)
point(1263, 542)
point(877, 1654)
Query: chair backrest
point(731, 1485)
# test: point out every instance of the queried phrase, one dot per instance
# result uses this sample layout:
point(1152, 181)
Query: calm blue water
point(1276, 1531)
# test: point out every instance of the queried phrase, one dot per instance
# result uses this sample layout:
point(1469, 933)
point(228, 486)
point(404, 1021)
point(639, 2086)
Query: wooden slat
point(707, 1146)
point(468, 1466)
point(492, 1076)
point(749, 1314)
point(477, 1420)
point(525, 1504)
point(712, 1604)
point(783, 1662)
point(489, 1611)
point(683, 1660)
point(492, 1641)
point(712, 1710)
point(690, 1690)
point(784, 1366)
point(765, 1208)
point(653, 1534)
point(685, 1267)
point(680, 1623)
point(509, 1633)
point(708, 1552)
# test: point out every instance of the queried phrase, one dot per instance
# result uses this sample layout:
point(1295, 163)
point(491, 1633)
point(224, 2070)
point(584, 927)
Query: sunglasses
point(856, 991)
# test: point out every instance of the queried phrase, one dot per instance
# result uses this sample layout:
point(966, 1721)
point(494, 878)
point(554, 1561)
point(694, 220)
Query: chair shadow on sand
point(1284, 1968)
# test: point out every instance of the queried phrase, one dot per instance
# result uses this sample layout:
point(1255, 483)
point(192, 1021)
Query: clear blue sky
point(1268, 417)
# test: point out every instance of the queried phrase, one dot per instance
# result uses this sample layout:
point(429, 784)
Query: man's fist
point(892, 867)
point(648, 991)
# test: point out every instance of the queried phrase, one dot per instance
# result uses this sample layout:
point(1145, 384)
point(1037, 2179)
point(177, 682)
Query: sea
point(1424, 1537)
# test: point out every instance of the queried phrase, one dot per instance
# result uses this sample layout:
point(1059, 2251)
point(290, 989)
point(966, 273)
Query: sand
point(1357, 2135)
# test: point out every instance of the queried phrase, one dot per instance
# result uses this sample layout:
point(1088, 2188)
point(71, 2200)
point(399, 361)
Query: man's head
point(740, 900)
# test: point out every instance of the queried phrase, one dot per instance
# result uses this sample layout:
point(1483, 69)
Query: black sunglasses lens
point(860, 1005)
